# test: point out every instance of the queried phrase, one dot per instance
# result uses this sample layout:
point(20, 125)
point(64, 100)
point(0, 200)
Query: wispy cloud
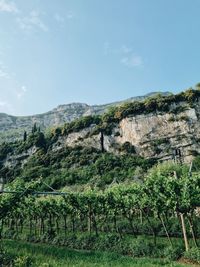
point(59, 18)
point(70, 15)
point(21, 93)
point(3, 104)
point(6, 107)
point(4, 74)
point(125, 49)
point(32, 22)
point(8, 6)
point(132, 61)
point(125, 55)
point(12, 92)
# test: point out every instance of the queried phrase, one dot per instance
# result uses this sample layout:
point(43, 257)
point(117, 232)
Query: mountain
point(119, 145)
point(12, 127)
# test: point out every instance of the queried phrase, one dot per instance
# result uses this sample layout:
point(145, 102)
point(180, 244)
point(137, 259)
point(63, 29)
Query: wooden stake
point(184, 232)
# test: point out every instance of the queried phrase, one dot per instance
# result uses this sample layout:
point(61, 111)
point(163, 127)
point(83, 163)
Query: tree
point(34, 128)
point(25, 136)
point(169, 188)
point(197, 86)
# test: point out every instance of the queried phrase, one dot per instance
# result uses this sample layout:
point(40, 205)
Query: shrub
point(117, 134)
point(128, 148)
point(87, 241)
point(193, 254)
point(184, 118)
point(194, 153)
point(196, 163)
point(142, 247)
point(79, 124)
point(23, 261)
point(178, 109)
point(171, 119)
point(5, 148)
point(5, 258)
point(173, 253)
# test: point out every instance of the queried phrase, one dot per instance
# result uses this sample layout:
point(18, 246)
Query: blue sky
point(94, 51)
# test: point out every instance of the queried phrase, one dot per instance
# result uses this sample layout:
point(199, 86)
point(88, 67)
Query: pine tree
point(34, 129)
point(25, 136)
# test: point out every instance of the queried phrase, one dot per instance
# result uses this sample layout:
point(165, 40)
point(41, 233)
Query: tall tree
point(34, 129)
point(25, 136)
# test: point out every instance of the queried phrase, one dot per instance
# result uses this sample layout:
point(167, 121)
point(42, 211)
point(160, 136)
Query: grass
point(53, 256)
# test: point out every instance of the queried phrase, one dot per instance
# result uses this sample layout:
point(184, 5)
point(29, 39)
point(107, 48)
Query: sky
point(56, 52)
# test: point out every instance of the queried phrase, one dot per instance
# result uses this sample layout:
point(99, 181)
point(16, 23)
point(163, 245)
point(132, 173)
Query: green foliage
point(178, 109)
point(79, 165)
point(109, 116)
point(167, 169)
point(112, 199)
point(54, 256)
point(155, 104)
point(34, 139)
point(171, 188)
point(23, 261)
point(5, 258)
point(194, 153)
point(128, 148)
point(159, 145)
point(141, 207)
point(80, 124)
point(5, 149)
point(172, 119)
point(37, 139)
point(34, 128)
point(173, 253)
point(114, 115)
point(142, 247)
point(197, 86)
point(196, 164)
point(184, 118)
point(25, 136)
point(193, 254)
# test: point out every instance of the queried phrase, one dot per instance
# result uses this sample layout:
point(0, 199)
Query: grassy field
point(52, 256)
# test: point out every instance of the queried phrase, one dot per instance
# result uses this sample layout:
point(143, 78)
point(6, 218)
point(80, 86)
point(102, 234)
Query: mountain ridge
point(12, 127)
point(142, 132)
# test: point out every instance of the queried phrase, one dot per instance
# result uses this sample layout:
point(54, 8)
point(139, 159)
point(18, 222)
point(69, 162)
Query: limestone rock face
point(155, 135)
point(13, 160)
point(12, 127)
point(159, 135)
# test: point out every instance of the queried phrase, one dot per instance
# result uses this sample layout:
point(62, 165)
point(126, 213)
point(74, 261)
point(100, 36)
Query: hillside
point(12, 127)
point(117, 146)
point(94, 183)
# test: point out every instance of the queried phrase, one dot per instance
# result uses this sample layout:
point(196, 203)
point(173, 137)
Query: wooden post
point(192, 231)
point(165, 228)
point(183, 224)
point(184, 232)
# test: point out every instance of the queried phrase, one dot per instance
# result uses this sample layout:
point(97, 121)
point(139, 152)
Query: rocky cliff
point(161, 128)
point(157, 135)
point(140, 133)
point(12, 127)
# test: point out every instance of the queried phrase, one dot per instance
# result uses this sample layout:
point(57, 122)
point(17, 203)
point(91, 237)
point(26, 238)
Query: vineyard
point(88, 198)
point(139, 219)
